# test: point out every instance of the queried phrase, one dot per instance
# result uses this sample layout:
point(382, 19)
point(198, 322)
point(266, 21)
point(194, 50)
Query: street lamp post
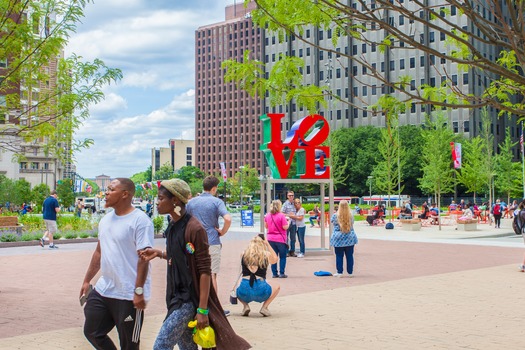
point(241, 168)
point(370, 177)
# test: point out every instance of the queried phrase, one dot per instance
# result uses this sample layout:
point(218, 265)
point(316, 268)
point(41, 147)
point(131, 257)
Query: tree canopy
point(45, 96)
point(480, 37)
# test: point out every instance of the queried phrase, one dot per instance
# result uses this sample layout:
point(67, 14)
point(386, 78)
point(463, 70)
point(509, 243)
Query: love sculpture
point(303, 141)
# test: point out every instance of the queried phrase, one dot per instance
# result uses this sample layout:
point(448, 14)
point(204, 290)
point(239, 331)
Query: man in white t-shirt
point(124, 287)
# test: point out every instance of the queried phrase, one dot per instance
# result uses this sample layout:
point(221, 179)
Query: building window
point(412, 62)
point(455, 127)
point(466, 126)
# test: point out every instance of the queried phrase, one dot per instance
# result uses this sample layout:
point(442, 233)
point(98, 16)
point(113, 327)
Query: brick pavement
point(405, 295)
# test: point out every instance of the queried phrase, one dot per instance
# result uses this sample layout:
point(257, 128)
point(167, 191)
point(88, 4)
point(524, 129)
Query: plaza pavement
point(428, 289)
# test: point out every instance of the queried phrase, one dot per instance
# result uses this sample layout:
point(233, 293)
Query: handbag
point(233, 292)
point(285, 237)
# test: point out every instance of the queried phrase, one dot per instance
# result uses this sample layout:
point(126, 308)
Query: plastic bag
point(204, 337)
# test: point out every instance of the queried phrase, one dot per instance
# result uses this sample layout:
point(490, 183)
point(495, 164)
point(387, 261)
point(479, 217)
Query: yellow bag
point(204, 337)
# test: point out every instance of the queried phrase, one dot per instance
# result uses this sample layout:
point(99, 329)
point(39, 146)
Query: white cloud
point(123, 144)
point(152, 42)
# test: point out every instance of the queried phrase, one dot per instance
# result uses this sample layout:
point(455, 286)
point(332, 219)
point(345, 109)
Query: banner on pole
point(223, 171)
point(456, 154)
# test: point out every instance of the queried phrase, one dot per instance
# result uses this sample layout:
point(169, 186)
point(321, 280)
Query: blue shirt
point(48, 208)
point(341, 239)
point(207, 209)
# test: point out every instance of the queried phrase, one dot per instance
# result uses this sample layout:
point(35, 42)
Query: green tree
point(52, 104)
point(142, 177)
point(437, 170)
point(488, 166)
point(504, 167)
point(38, 194)
point(7, 189)
point(190, 173)
point(412, 146)
point(377, 24)
point(22, 192)
point(66, 196)
point(472, 169)
point(387, 172)
point(165, 172)
point(354, 152)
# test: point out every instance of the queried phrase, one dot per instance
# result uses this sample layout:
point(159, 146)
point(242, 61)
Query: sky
point(152, 42)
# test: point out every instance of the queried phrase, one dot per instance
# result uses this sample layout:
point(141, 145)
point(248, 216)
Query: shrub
point(57, 236)
point(32, 222)
point(26, 237)
point(9, 238)
point(70, 235)
point(84, 235)
point(73, 223)
point(158, 223)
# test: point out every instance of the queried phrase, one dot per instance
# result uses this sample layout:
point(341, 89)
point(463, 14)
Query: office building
point(227, 127)
point(179, 153)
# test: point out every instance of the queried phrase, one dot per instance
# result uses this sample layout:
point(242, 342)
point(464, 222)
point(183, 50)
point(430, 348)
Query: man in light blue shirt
point(207, 209)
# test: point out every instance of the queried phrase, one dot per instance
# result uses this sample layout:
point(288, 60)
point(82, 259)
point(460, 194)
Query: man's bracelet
point(204, 312)
point(162, 255)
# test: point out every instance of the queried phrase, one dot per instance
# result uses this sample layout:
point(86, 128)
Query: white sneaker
point(300, 255)
point(337, 275)
point(522, 268)
point(350, 275)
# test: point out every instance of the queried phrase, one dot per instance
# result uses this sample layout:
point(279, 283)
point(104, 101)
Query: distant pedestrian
point(124, 286)
point(254, 287)
point(298, 217)
point(343, 239)
point(50, 208)
point(316, 216)
point(497, 211)
point(78, 207)
point(288, 209)
point(207, 208)
point(149, 208)
point(276, 225)
point(520, 213)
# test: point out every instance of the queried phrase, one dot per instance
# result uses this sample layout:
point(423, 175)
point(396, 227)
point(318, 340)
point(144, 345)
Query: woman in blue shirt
point(343, 239)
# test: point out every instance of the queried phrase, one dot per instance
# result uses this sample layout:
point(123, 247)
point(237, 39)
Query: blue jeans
point(175, 331)
point(300, 235)
point(312, 218)
point(339, 253)
point(280, 250)
point(292, 231)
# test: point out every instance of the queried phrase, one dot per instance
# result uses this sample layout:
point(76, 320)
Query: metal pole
point(522, 160)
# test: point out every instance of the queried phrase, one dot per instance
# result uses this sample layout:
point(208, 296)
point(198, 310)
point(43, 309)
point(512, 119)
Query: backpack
point(517, 224)
point(497, 209)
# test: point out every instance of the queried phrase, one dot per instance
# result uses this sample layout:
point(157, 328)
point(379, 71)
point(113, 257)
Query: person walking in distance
point(207, 208)
point(50, 208)
point(289, 209)
point(497, 212)
point(124, 287)
point(343, 239)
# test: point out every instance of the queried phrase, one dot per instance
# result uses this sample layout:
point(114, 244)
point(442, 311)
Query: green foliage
point(505, 170)
point(22, 192)
point(66, 196)
point(8, 238)
point(437, 170)
point(84, 235)
point(190, 174)
point(38, 195)
point(158, 223)
point(165, 172)
point(142, 177)
point(73, 223)
point(70, 235)
point(33, 43)
point(27, 237)
point(31, 222)
point(472, 169)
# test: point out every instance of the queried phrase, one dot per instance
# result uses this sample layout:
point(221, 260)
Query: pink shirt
point(275, 223)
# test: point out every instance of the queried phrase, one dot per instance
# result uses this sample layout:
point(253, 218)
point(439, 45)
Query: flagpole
point(522, 160)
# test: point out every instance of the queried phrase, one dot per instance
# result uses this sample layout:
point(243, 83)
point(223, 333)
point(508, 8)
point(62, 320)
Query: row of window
point(34, 166)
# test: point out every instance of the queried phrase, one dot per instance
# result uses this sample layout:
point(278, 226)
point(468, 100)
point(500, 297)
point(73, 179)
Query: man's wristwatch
point(139, 290)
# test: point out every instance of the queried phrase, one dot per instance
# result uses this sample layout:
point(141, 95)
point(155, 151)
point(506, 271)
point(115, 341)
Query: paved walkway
point(412, 290)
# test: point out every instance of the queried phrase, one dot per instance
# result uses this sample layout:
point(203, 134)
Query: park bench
point(411, 224)
point(10, 224)
point(467, 225)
